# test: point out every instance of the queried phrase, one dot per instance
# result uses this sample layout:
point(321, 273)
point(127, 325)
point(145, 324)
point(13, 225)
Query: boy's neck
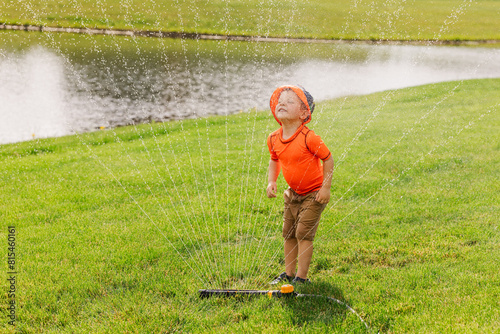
point(289, 128)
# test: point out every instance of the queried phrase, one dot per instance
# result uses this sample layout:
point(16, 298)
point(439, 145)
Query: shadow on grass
point(316, 309)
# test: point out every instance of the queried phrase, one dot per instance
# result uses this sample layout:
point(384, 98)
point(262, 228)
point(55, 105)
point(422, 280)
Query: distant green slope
point(343, 19)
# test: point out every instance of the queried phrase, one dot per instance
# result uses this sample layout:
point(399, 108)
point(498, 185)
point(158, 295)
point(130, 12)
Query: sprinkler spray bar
point(286, 291)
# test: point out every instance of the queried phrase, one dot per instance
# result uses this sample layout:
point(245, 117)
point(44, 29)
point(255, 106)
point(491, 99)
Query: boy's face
point(290, 107)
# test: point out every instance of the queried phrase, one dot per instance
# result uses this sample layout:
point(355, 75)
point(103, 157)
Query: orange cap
point(303, 95)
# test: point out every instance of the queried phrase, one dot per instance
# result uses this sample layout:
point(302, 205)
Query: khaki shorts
point(301, 215)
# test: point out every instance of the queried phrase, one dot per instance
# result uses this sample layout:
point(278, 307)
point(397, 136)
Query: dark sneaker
point(282, 278)
point(298, 281)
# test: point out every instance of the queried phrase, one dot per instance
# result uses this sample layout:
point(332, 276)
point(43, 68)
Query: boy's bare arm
point(273, 172)
point(323, 195)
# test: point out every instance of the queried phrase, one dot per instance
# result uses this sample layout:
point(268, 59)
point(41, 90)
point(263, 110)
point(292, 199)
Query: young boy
point(298, 151)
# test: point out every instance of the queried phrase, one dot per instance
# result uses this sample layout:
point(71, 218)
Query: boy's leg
point(305, 252)
point(289, 229)
point(291, 251)
point(308, 220)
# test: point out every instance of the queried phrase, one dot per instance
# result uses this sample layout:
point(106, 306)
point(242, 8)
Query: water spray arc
point(212, 253)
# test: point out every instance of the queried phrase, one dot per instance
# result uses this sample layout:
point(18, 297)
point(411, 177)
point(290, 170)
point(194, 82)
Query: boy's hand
point(271, 189)
point(323, 195)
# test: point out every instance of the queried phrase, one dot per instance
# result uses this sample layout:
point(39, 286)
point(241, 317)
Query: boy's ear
point(304, 114)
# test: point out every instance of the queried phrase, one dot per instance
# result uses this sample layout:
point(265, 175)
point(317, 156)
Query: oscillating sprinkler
point(285, 291)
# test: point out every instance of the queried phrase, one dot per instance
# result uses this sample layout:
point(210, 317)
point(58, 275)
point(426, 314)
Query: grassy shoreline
point(213, 36)
point(426, 20)
point(118, 229)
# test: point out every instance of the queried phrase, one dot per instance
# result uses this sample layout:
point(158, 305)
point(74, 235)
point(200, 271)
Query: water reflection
point(56, 84)
point(32, 96)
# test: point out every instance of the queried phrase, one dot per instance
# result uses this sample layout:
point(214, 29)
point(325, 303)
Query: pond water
point(56, 84)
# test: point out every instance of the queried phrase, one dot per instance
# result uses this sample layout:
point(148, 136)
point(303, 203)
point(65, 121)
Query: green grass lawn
point(344, 19)
point(117, 230)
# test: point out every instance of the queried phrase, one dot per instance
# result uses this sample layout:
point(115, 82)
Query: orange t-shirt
point(299, 157)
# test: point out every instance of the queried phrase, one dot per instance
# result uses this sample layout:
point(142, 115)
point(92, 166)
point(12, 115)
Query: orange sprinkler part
point(287, 288)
